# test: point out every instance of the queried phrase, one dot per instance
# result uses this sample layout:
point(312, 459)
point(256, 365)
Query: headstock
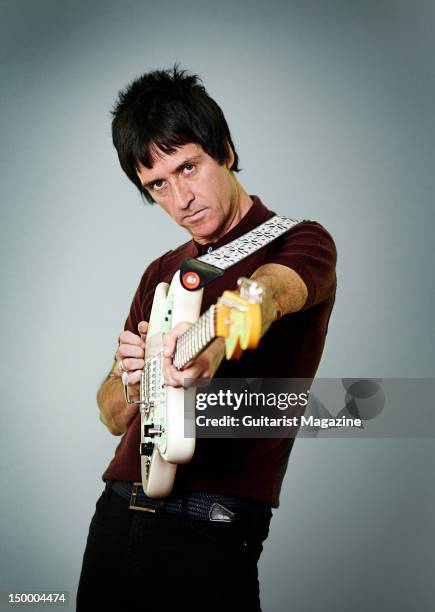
point(238, 320)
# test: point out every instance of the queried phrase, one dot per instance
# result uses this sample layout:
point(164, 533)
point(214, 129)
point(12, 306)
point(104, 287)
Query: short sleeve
point(140, 308)
point(310, 251)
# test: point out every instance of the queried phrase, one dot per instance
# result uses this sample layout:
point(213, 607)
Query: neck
point(241, 203)
point(194, 340)
point(244, 203)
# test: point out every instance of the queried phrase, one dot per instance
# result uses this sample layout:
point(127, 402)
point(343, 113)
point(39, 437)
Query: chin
point(206, 231)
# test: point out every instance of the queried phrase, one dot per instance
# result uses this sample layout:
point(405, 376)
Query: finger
point(180, 328)
point(214, 355)
point(172, 376)
point(127, 337)
point(170, 338)
point(195, 372)
point(199, 364)
point(183, 378)
point(131, 365)
point(129, 350)
point(143, 329)
point(169, 343)
point(134, 377)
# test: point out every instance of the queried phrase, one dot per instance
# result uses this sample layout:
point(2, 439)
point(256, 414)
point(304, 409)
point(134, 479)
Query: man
point(174, 144)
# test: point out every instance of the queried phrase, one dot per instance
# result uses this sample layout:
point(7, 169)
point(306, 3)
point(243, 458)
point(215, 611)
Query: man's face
point(198, 193)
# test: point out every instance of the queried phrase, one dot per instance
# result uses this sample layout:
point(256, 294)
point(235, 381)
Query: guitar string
point(194, 340)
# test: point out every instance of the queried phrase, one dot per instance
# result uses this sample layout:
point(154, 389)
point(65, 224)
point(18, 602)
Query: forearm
point(115, 413)
point(286, 292)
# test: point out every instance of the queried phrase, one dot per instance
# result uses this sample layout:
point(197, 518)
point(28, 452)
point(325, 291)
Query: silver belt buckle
point(220, 514)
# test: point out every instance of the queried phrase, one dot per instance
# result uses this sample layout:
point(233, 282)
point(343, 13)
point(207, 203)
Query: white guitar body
point(163, 445)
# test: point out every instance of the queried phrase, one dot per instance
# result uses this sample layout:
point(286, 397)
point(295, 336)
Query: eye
point(158, 185)
point(188, 169)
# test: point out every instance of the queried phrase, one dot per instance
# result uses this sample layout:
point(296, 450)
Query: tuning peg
point(250, 290)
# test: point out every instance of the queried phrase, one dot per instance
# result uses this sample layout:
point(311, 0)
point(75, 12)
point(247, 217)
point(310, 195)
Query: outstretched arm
point(285, 292)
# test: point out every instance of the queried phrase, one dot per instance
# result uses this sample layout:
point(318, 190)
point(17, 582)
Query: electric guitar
point(235, 317)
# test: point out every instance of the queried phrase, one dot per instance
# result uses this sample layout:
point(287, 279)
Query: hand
point(131, 351)
point(203, 366)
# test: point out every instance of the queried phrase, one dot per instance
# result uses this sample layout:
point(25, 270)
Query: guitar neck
point(196, 338)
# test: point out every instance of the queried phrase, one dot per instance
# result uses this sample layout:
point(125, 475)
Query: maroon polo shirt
point(291, 348)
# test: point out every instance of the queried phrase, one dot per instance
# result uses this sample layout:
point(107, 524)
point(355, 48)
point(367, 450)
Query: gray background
point(331, 107)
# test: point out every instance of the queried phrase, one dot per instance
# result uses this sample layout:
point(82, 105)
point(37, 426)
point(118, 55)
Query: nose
point(182, 194)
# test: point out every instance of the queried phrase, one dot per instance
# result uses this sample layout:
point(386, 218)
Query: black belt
point(197, 505)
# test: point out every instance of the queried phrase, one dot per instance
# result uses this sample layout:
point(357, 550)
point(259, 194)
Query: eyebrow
point(177, 169)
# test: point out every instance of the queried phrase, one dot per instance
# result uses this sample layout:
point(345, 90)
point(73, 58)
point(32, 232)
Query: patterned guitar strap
point(198, 272)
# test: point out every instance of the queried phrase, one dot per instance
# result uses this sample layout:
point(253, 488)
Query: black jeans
point(143, 561)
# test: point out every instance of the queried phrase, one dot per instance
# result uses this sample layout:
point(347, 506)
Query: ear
point(230, 159)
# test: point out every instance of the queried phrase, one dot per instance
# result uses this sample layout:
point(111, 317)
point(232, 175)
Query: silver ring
point(121, 366)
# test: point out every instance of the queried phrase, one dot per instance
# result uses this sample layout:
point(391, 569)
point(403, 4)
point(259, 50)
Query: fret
point(204, 339)
point(195, 339)
point(206, 327)
point(189, 347)
point(211, 323)
point(192, 340)
point(209, 331)
point(192, 343)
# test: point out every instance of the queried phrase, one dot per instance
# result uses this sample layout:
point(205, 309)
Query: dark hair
point(167, 109)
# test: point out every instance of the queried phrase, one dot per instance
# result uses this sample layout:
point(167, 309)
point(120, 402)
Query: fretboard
point(195, 339)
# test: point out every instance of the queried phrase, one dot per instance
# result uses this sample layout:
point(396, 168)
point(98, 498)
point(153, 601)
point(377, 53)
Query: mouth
point(196, 216)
